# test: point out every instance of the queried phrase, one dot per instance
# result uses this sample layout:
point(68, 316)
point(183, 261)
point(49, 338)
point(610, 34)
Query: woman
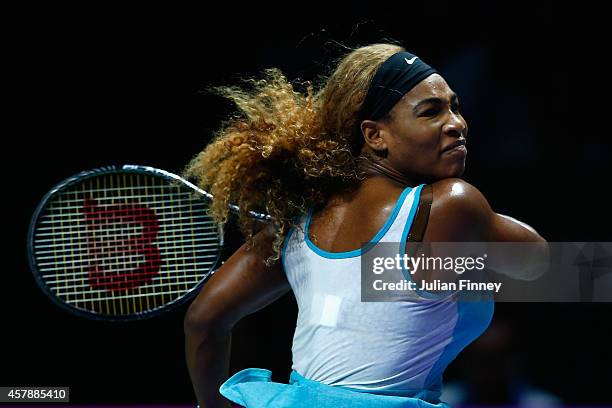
point(374, 156)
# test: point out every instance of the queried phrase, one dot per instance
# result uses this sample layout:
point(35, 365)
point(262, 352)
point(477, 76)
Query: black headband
point(394, 78)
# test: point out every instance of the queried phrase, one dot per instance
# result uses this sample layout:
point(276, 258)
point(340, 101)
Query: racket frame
point(100, 171)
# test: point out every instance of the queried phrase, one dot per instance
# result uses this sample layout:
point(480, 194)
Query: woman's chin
point(454, 171)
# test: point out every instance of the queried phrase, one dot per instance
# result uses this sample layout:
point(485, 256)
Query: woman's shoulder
point(459, 193)
point(459, 211)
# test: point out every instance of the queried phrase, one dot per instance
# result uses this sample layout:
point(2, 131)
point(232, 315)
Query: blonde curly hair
point(287, 151)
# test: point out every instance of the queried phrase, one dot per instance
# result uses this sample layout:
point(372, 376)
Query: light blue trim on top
point(369, 245)
point(467, 327)
point(408, 276)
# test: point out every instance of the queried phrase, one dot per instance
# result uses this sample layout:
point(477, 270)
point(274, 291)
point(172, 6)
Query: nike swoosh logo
point(410, 61)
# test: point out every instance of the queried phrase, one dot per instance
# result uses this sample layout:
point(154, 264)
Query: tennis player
point(374, 155)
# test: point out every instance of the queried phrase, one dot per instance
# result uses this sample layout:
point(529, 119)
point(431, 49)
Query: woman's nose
point(455, 126)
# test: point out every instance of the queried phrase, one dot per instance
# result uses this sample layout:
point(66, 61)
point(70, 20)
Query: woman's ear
point(371, 131)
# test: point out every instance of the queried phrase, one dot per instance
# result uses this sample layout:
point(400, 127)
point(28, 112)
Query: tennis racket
point(124, 243)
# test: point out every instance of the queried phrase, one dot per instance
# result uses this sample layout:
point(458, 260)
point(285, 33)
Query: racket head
point(122, 243)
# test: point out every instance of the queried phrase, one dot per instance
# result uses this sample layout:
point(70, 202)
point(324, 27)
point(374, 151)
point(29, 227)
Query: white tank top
point(391, 348)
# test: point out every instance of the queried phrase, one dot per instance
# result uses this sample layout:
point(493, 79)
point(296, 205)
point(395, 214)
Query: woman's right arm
point(243, 285)
point(461, 213)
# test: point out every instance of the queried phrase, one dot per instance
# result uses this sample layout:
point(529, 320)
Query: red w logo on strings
point(119, 243)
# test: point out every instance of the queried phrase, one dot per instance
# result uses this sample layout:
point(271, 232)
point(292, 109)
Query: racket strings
point(124, 243)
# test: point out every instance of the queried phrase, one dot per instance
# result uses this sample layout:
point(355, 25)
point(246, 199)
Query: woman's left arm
point(243, 285)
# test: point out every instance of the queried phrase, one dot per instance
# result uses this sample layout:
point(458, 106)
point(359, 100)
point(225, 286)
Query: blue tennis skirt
point(253, 388)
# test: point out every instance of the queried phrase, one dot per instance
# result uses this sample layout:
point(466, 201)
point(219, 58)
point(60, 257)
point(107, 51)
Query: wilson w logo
point(119, 242)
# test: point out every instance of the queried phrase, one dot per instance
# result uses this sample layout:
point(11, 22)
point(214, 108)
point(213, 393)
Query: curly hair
point(286, 151)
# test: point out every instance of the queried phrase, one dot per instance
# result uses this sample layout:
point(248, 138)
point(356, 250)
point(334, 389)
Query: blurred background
point(87, 87)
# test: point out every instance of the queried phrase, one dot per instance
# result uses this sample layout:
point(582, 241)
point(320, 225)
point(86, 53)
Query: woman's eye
point(430, 112)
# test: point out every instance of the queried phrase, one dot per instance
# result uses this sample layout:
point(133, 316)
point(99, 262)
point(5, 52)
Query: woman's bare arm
point(243, 285)
point(461, 213)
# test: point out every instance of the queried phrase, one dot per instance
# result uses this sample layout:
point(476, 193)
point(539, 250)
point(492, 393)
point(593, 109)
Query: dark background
point(83, 88)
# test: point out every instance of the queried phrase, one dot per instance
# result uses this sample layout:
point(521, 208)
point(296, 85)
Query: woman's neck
point(371, 168)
